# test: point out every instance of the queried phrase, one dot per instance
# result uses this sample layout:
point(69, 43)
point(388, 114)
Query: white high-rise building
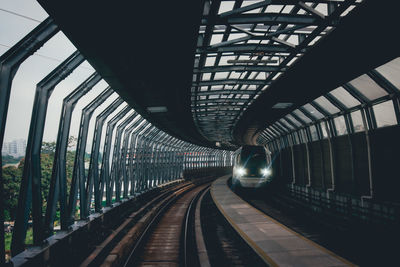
point(15, 148)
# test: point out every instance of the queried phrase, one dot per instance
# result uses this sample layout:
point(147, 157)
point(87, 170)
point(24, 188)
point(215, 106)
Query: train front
point(252, 167)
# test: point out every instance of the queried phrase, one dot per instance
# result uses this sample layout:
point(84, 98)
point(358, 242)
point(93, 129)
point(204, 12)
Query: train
point(252, 167)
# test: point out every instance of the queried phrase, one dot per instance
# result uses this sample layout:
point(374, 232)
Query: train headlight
point(241, 171)
point(266, 172)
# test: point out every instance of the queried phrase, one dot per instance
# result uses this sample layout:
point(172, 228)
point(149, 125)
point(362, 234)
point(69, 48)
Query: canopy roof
point(223, 71)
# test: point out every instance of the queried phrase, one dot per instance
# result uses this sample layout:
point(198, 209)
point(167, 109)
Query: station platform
point(276, 244)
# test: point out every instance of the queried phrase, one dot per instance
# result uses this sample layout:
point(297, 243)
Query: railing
point(345, 207)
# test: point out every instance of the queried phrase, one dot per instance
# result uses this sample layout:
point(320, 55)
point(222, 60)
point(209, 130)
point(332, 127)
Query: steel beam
point(58, 181)
point(93, 174)
point(247, 48)
point(230, 82)
point(264, 18)
point(105, 165)
point(78, 175)
point(115, 165)
point(30, 192)
point(124, 167)
point(239, 68)
point(9, 64)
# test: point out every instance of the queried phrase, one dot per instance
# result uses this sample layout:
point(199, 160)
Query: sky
point(13, 27)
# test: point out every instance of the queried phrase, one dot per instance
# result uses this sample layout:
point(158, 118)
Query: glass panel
point(366, 86)
point(224, 60)
point(216, 38)
point(340, 125)
point(206, 76)
point(391, 71)
point(384, 114)
point(293, 120)
point(345, 97)
point(275, 132)
point(221, 75)
point(324, 130)
point(315, 113)
point(234, 36)
point(326, 105)
point(296, 137)
point(357, 121)
point(302, 116)
point(303, 135)
point(210, 61)
point(280, 128)
point(270, 132)
point(226, 6)
point(285, 123)
point(314, 134)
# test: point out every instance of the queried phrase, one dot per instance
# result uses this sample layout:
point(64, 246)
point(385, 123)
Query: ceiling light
point(157, 109)
point(282, 105)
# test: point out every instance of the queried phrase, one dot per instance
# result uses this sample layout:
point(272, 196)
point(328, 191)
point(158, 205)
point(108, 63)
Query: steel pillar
point(105, 165)
point(31, 178)
point(93, 174)
point(58, 181)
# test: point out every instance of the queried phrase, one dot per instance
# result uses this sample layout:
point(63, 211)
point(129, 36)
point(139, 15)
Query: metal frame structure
point(243, 47)
point(136, 156)
point(350, 108)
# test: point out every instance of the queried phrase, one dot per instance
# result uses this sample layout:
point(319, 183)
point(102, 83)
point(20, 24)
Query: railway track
point(166, 239)
point(179, 227)
point(116, 246)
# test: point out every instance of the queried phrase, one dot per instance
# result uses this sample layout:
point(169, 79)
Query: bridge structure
point(188, 82)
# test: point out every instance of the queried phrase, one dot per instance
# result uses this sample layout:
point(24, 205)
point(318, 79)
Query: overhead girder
point(303, 27)
point(229, 82)
point(238, 68)
point(215, 112)
point(247, 48)
point(264, 18)
point(225, 101)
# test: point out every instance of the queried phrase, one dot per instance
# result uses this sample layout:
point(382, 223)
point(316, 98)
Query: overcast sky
point(14, 27)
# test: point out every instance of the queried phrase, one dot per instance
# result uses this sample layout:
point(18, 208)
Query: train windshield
point(253, 157)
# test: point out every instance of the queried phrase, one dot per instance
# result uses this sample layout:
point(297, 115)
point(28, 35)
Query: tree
point(12, 181)
point(48, 147)
point(72, 141)
point(12, 176)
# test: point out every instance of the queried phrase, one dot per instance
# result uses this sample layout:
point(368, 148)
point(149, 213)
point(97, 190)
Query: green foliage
point(46, 161)
point(12, 177)
point(29, 236)
point(7, 238)
point(48, 147)
point(12, 180)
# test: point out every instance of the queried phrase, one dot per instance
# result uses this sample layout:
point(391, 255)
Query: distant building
point(15, 148)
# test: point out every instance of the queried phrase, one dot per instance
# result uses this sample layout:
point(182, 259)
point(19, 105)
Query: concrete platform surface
point(274, 242)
